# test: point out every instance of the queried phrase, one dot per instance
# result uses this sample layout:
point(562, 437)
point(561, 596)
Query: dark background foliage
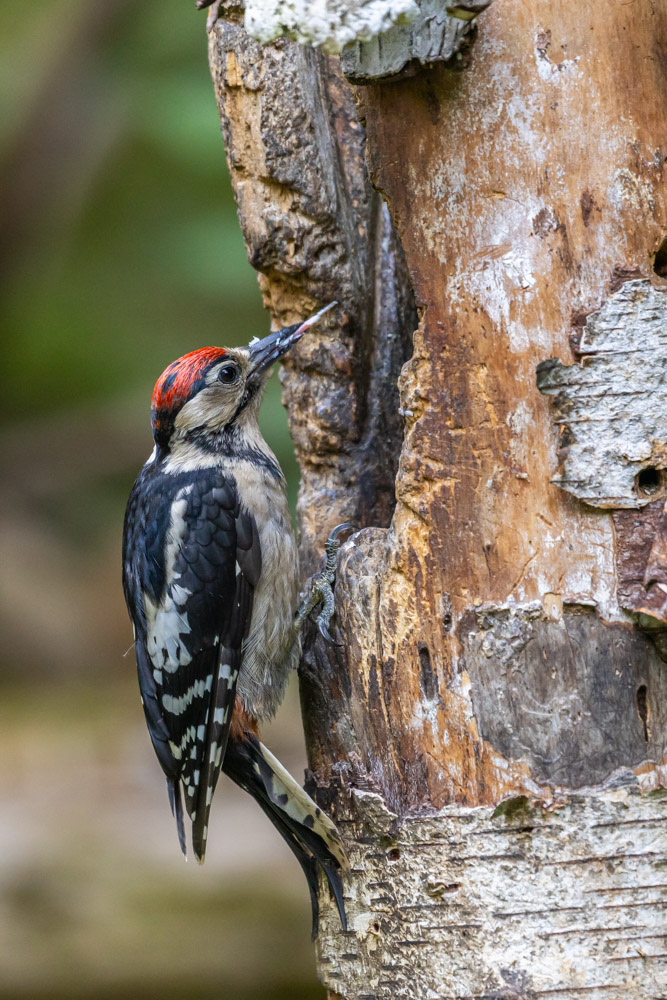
point(119, 251)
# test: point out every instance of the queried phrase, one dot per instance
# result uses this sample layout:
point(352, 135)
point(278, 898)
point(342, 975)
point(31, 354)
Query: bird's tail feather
point(176, 803)
point(308, 831)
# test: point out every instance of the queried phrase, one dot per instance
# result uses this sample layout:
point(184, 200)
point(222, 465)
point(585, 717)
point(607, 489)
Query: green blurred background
point(119, 251)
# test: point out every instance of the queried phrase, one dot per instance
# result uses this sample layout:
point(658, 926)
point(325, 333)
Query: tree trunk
point(490, 733)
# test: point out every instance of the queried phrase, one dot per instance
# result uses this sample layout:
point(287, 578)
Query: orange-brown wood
point(518, 185)
point(525, 184)
point(485, 652)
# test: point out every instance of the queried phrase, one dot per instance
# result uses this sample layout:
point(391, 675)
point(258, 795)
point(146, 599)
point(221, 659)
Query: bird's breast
point(269, 651)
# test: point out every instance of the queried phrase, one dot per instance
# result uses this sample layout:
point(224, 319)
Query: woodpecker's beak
point(264, 352)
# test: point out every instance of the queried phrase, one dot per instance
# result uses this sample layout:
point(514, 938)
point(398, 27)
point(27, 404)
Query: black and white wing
point(191, 562)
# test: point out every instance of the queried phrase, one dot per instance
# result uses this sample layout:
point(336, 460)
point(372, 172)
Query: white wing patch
point(168, 620)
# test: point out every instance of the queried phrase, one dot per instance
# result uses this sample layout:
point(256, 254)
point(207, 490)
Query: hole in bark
point(447, 616)
point(394, 854)
point(649, 481)
point(642, 708)
point(660, 262)
point(427, 678)
point(376, 926)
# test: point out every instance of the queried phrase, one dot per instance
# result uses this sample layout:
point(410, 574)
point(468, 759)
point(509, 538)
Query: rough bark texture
point(488, 654)
point(452, 905)
point(610, 406)
point(316, 231)
point(433, 35)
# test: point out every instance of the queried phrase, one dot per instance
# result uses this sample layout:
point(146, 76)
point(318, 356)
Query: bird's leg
point(321, 586)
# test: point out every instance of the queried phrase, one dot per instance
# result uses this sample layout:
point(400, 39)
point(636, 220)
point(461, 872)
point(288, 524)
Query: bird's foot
point(321, 585)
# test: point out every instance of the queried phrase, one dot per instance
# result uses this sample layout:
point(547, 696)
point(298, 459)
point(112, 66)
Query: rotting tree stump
point(491, 732)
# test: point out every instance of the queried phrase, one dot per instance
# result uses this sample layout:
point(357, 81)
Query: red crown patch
point(180, 381)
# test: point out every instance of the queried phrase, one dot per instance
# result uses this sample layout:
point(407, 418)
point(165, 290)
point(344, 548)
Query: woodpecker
point(210, 577)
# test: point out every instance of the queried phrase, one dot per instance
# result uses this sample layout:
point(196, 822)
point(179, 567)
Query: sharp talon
point(324, 632)
point(345, 526)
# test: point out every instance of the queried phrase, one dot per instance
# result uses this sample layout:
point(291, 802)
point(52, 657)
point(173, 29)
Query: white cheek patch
point(214, 406)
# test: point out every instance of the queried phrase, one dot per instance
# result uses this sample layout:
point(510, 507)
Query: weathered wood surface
point(504, 248)
point(521, 187)
point(641, 560)
point(655, 574)
point(316, 231)
point(536, 697)
point(451, 903)
point(379, 38)
point(610, 405)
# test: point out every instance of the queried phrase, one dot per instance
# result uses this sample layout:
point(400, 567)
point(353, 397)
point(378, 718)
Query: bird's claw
point(331, 547)
point(321, 587)
point(326, 635)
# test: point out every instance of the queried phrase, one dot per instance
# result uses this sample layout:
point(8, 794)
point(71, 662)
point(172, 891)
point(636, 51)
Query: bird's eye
point(228, 374)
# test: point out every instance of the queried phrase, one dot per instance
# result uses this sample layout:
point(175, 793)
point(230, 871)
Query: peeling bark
point(489, 655)
point(378, 38)
point(437, 33)
point(610, 407)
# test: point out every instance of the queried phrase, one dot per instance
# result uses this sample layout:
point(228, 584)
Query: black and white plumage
point(194, 560)
point(210, 579)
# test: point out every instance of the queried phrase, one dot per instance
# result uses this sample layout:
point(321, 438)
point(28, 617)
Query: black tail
point(176, 803)
point(306, 829)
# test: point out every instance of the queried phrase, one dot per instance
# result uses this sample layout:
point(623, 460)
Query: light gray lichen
point(331, 24)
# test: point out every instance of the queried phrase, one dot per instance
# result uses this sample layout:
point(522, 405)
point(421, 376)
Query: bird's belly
point(270, 651)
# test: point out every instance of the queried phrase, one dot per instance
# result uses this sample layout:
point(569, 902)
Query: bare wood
point(488, 651)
